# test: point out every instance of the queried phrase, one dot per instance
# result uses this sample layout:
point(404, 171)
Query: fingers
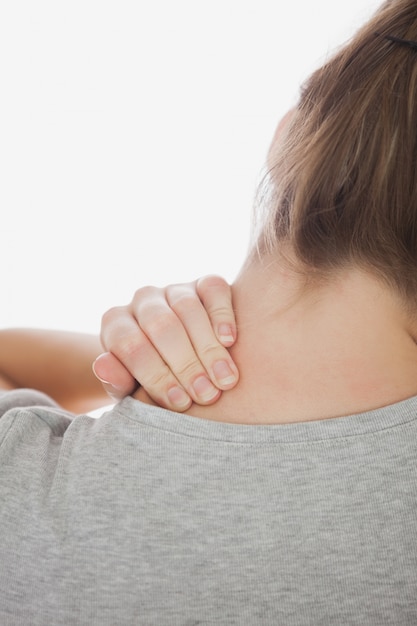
point(198, 322)
point(176, 323)
point(216, 295)
point(170, 340)
point(122, 336)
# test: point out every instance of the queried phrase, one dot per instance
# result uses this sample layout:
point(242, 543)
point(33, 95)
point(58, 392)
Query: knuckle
point(110, 320)
point(145, 293)
point(158, 379)
point(157, 325)
point(111, 314)
point(216, 295)
point(210, 353)
point(183, 302)
point(219, 311)
point(127, 347)
point(188, 370)
point(212, 281)
point(176, 292)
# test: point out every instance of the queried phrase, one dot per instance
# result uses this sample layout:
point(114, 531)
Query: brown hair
point(343, 187)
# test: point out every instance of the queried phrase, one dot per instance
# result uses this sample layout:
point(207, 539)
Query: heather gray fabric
point(154, 518)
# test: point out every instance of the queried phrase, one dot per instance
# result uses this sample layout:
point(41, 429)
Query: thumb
point(115, 378)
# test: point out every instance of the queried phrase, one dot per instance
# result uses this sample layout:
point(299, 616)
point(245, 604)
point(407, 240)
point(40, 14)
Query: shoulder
point(23, 398)
point(25, 414)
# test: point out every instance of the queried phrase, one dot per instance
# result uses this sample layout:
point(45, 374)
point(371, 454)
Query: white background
point(132, 137)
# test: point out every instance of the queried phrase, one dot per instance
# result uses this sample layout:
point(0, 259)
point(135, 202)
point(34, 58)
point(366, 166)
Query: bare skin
point(343, 348)
point(303, 355)
point(183, 335)
point(55, 362)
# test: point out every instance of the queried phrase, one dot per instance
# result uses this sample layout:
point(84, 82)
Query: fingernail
point(179, 398)
point(100, 378)
point(223, 373)
point(225, 333)
point(204, 389)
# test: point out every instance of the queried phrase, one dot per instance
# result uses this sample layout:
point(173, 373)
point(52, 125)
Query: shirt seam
point(327, 440)
point(7, 433)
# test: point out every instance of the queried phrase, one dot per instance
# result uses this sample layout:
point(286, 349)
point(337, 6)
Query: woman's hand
point(173, 341)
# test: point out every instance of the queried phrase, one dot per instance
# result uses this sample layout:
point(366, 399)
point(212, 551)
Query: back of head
point(342, 190)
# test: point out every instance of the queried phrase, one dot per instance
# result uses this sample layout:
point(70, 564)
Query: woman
point(291, 500)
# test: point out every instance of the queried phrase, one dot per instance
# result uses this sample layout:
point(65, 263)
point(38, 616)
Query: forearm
point(55, 362)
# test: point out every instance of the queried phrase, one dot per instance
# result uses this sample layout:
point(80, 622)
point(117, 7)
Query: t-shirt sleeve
point(20, 398)
point(26, 417)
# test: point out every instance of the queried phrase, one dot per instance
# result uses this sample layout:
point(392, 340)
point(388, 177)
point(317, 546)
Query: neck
point(309, 354)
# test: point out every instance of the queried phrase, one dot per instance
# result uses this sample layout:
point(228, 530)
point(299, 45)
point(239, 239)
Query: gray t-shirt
point(149, 517)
